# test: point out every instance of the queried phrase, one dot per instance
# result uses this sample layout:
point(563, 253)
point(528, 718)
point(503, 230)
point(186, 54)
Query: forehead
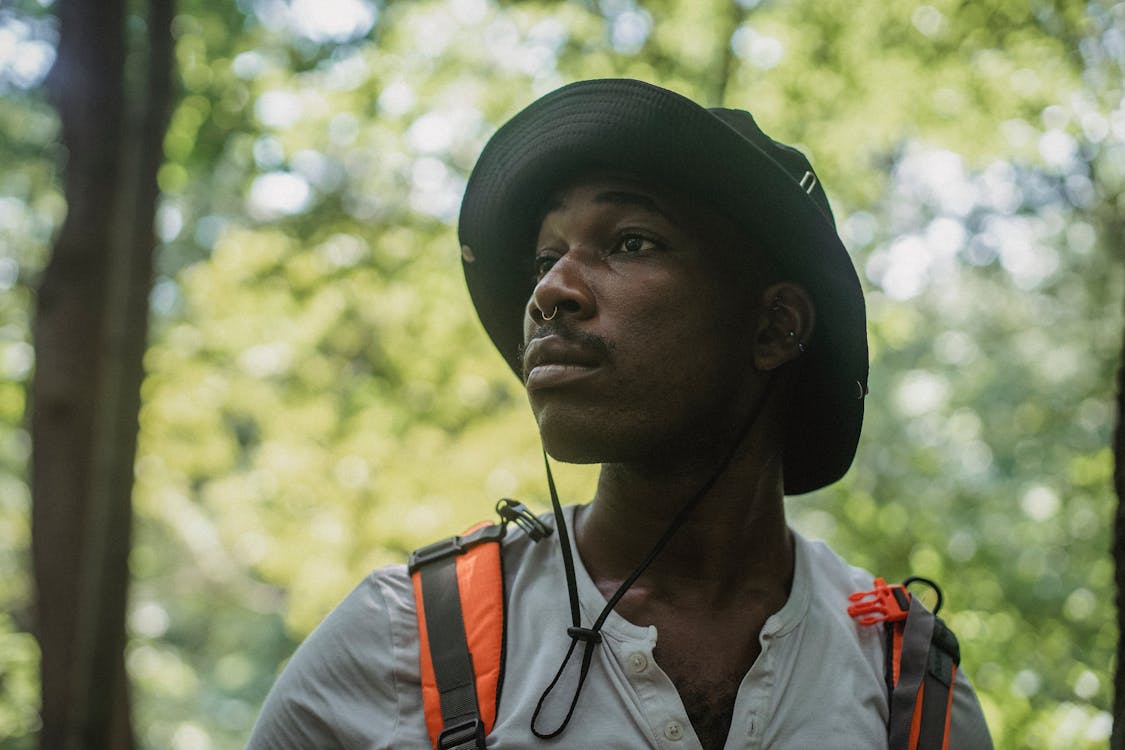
point(625, 190)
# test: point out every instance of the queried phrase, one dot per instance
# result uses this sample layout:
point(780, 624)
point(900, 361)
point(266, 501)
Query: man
point(670, 286)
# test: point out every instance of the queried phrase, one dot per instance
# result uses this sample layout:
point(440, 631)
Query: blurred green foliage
point(320, 398)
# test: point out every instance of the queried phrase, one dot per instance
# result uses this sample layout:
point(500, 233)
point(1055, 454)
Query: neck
point(734, 541)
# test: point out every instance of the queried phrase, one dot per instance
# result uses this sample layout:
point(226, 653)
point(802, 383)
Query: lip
point(551, 362)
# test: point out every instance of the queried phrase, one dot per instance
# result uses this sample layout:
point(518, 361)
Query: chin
point(589, 435)
point(574, 446)
point(574, 436)
point(592, 438)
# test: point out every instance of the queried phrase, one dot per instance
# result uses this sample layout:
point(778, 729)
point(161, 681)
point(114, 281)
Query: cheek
point(691, 319)
point(678, 346)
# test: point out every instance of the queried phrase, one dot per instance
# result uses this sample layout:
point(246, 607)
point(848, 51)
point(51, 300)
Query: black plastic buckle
point(436, 551)
point(516, 512)
point(465, 735)
point(454, 545)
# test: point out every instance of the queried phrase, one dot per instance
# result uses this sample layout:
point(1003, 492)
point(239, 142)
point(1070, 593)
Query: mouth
point(552, 361)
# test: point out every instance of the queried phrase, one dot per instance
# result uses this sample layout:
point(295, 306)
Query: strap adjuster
point(884, 603)
point(454, 545)
point(464, 735)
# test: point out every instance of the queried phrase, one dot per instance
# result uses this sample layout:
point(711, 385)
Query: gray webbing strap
point(935, 700)
point(912, 669)
point(449, 651)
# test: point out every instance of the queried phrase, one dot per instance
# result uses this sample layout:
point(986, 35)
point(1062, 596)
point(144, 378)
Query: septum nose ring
point(545, 316)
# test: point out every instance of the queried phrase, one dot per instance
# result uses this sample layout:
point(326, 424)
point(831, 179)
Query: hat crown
point(723, 157)
point(795, 163)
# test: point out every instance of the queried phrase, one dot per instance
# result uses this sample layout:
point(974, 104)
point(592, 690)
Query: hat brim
point(642, 129)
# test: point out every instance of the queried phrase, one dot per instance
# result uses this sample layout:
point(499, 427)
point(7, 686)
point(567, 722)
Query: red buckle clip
point(884, 603)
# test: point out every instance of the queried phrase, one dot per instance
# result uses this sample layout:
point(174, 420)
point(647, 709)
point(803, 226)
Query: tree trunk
point(1117, 740)
point(726, 62)
point(90, 332)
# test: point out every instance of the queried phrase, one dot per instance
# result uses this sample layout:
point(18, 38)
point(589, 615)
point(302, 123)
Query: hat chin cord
point(591, 636)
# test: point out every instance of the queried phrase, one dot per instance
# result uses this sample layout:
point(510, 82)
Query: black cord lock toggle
point(587, 635)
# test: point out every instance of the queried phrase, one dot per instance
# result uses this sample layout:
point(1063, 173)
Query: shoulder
point(968, 729)
point(813, 636)
point(827, 580)
point(354, 681)
point(832, 581)
point(828, 571)
point(354, 678)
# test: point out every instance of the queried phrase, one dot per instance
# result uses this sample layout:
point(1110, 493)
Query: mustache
point(564, 330)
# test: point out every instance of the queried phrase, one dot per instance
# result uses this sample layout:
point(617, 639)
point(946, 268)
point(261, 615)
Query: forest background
point(319, 398)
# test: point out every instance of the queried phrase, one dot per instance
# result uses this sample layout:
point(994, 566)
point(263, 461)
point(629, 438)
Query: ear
point(785, 325)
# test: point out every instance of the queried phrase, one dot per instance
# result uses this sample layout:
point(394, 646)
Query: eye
point(635, 243)
point(543, 263)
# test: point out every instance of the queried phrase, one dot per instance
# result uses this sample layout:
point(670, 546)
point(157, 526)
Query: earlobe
point(785, 325)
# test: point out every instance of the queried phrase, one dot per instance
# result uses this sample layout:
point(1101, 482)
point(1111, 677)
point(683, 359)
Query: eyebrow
point(627, 198)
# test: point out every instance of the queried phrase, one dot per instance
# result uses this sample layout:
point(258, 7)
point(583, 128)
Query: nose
point(563, 290)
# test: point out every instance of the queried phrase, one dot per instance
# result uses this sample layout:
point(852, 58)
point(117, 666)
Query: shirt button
point(638, 662)
point(674, 730)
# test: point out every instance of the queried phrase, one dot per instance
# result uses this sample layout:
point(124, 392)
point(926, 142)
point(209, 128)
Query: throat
point(707, 677)
point(711, 719)
point(709, 702)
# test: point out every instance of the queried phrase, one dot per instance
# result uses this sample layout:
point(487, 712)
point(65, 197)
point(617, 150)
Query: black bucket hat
point(720, 155)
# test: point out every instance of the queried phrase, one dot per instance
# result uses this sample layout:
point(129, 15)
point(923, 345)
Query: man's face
point(648, 350)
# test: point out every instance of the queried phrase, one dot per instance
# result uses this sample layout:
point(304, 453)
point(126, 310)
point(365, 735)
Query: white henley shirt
point(818, 682)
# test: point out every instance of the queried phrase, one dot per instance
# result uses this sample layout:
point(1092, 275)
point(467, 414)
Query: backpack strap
point(921, 666)
point(459, 596)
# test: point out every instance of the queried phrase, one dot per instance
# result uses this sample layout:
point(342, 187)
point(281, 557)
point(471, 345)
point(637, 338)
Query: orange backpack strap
point(922, 659)
point(459, 596)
